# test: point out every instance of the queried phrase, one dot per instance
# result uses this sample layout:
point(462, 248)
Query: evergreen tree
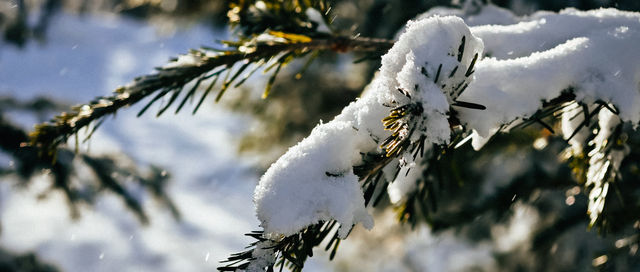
point(556, 92)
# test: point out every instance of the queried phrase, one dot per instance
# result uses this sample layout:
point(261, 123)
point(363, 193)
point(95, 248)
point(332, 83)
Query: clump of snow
point(593, 52)
point(410, 173)
point(263, 255)
point(545, 30)
point(405, 182)
point(427, 51)
point(314, 181)
point(183, 60)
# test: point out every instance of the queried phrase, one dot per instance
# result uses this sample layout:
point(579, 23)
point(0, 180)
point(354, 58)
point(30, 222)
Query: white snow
point(534, 58)
point(530, 60)
point(263, 254)
point(184, 60)
point(297, 191)
point(593, 52)
point(403, 184)
point(314, 180)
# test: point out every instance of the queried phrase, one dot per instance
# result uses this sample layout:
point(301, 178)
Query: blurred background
point(175, 193)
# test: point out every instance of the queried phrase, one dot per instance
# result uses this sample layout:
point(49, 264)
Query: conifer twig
point(170, 80)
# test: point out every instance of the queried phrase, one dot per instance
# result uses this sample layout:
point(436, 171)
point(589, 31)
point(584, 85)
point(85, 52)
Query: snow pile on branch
point(314, 181)
point(592, 53)
point(589, 56)
point(421, 76)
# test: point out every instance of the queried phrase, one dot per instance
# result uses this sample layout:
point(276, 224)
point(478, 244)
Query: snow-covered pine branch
point(435, 78)
point(316, 181)
point(592, 52)
point(420, 77)
point(592, 55)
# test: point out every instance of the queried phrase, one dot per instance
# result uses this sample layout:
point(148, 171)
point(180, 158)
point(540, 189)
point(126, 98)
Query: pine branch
point(600, 168)
point(550, 109)
point(294, 250)
point(170, 80)
point(603, 171)
point(403, 120)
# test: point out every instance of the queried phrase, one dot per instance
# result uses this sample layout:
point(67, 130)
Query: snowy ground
point(89, 56)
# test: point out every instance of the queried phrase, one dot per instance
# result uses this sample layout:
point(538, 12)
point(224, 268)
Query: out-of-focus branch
point(202, 65)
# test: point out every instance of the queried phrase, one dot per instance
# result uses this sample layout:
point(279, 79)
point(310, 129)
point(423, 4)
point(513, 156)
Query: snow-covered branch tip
point(317, 181)
point(420, 110)
point(433, 86)
point(191, 73)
